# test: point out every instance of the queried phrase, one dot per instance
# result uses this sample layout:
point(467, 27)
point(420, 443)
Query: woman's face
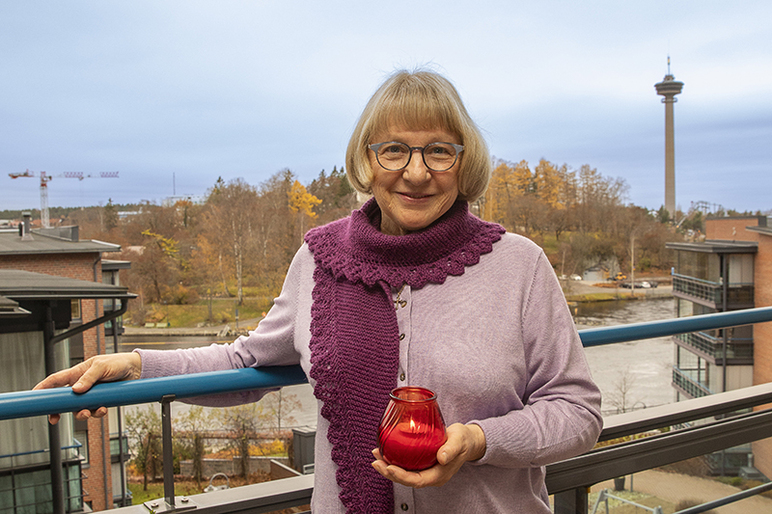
point(415, 197)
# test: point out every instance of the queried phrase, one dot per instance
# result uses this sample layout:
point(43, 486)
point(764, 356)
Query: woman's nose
point(416, 170)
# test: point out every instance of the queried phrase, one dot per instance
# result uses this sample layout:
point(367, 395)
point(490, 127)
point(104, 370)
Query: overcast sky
point(173, 94)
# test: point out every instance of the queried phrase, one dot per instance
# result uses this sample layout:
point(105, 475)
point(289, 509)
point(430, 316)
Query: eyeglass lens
point(437, 156)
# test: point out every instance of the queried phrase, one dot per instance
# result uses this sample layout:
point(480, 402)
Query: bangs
point(414, 107)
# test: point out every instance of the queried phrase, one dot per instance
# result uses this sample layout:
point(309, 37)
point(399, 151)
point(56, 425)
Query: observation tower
point(669, 88)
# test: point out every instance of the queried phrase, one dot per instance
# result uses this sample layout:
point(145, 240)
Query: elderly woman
point(412, 289)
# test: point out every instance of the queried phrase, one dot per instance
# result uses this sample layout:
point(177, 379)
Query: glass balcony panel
point(712, 346)
point(689, 382)
point(737, 294)
point(697, 288)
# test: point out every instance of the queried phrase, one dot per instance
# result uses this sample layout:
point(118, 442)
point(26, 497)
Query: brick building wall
point(97, 483)
point(732, 228)
point(762, 336)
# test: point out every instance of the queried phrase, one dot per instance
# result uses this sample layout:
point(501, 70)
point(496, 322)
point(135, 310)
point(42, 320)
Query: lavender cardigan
point(498, 346)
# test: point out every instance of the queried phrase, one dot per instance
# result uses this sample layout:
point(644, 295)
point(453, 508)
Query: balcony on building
point(710, 277)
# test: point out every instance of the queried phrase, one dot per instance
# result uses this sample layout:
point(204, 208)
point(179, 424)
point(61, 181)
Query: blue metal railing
point(37, 403)
point(650, 329)
point(24, 404)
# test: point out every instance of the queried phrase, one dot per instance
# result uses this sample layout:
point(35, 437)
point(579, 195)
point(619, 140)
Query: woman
point(413, 290)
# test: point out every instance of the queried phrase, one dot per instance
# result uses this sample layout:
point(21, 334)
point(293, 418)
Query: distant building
point(194, 199)
point(730, 270)
point(52, 274)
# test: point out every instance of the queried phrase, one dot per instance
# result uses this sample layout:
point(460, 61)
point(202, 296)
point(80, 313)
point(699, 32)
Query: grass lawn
point(155, 490)
point(223, 311)
point(184, 486)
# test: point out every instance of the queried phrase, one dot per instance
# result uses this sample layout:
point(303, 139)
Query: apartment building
point(50, 278)
point(730, 270)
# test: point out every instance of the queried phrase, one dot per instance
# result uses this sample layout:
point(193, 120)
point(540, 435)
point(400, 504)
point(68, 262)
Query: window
point(75, 309)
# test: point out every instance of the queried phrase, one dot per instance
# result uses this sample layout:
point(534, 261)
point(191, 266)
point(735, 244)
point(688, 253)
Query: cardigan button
point(401, 337)
point(404, 506)
point(402, 377)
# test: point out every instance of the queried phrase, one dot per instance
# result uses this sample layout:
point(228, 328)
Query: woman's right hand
point(101, 368)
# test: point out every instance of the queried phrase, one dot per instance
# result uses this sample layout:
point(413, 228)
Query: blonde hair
point(419, 100)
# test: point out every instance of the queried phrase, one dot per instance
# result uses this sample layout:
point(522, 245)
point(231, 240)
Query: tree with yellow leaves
point(548, 184)
point(303, 203)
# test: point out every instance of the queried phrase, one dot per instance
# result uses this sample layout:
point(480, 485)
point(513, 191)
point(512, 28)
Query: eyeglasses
point(395, 156)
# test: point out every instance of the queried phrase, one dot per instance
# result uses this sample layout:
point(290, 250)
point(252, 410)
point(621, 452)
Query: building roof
point(11, 243)
point(761, 220)
point(27, 285)
point(767, 231)
point(11, 309)
point(716, 246)
point(113, 265)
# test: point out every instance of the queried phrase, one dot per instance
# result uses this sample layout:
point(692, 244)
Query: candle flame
point(412, 424)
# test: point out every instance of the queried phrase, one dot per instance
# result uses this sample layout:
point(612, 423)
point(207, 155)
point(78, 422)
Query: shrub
point(685, 504)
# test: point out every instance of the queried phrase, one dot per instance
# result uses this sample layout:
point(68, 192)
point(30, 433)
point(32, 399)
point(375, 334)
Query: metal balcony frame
point(710, 348)
point(568, 480)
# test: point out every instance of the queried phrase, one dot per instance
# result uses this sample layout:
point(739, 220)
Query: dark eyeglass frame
point(375, 147)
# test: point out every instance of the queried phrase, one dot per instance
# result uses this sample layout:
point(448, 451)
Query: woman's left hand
point(465, 443)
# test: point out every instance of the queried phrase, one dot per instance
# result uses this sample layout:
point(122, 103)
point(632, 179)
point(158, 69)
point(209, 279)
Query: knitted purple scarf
point(354, 334)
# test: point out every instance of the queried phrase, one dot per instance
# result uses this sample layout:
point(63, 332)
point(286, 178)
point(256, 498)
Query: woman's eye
point(393, 149)
point(439, 150)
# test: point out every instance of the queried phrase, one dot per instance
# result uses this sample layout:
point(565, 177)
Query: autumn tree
point(230, 228)
point(524, 179)
point(548, 184)
point(336, 193)
point(144, 431)
point(109, 216)
point(194, 424)
point(246, 422)
point(501, 191)
point(277, 240)
point(302, 202)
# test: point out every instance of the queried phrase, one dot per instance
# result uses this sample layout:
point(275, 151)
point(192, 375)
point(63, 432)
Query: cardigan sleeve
point(561, 416)
point(270, 344)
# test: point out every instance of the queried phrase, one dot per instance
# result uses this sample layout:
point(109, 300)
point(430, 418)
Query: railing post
point(573, 501)
point(170, 503)
point(166, 434)
point(54, 437)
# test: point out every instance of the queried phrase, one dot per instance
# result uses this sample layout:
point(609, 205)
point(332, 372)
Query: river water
point(634, 374)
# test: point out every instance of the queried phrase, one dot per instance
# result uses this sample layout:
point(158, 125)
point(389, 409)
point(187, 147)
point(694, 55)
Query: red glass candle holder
point(412, 429)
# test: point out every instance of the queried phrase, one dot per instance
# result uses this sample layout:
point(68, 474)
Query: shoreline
point(582, 293)
point(575, 293)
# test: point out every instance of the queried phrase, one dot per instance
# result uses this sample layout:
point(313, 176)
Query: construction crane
point(45, 178)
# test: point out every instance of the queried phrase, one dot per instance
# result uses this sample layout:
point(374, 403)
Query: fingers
point(83, 415)
point(437, 475)
point(61, 378)
point(86, 414)
point(93, 373)
point(101, 368)
point(465, 443)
